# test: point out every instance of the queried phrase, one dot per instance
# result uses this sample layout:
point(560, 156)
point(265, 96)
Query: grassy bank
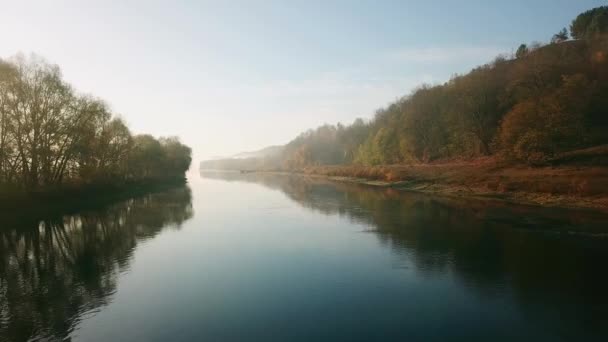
point(561, 186)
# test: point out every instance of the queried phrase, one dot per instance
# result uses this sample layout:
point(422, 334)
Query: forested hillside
point(530, 108)
point(52, 136)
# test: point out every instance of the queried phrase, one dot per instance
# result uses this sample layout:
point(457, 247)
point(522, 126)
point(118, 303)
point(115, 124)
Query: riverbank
point(76, 198)
point(555, 186)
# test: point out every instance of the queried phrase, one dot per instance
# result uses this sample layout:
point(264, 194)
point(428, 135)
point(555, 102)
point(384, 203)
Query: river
point(261, 257)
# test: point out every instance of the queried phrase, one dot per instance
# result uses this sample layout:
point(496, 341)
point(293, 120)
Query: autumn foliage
point(530, 107)
point(51, 136)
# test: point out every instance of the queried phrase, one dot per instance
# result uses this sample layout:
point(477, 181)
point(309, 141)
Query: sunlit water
point(274, 258)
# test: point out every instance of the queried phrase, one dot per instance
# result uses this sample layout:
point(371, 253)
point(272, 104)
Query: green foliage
point(560, 37)
point(522, 51)
point(590, 24)
point(51, 135)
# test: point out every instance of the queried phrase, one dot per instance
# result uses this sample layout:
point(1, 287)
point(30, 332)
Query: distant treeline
point(529, 107)
point(51, 136)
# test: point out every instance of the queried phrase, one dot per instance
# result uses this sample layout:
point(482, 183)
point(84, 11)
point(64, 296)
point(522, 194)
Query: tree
point(177, 157)
point(479, 105)
point(590, 23)
point(522, 51)
point(40, 106)
point(538, 129)
point(559, 37)
point(50, 135)
point(548, 99)
point(599, 25)
point(112, 148)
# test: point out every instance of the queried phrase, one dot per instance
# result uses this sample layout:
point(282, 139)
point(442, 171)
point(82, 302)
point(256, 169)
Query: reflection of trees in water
point(53, 271)
point(552, 260)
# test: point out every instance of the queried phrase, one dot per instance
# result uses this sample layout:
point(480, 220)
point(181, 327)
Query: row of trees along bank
point(536, 106)
point(52, 137)
point(530, 107)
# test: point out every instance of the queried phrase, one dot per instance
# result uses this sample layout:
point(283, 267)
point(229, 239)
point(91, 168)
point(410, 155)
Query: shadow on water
point(56, 269)
point(551, 260)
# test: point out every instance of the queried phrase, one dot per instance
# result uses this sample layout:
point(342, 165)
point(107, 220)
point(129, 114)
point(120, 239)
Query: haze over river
point(261, 257)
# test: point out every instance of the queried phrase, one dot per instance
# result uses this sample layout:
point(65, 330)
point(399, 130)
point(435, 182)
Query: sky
point(232, 76)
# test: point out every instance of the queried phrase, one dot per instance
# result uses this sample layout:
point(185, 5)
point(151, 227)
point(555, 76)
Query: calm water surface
point(275, 258)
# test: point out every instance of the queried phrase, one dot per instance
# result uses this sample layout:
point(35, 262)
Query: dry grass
point(552, 185)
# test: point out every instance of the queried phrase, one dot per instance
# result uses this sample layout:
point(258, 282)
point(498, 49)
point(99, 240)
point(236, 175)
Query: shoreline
point(72, 199)
point(461, 191)
point(494, 187)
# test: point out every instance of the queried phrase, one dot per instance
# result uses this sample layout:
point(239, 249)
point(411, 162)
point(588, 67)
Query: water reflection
point(55, 270)
point(551, 262)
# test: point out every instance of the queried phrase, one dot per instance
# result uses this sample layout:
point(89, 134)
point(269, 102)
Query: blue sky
point(229, 76)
